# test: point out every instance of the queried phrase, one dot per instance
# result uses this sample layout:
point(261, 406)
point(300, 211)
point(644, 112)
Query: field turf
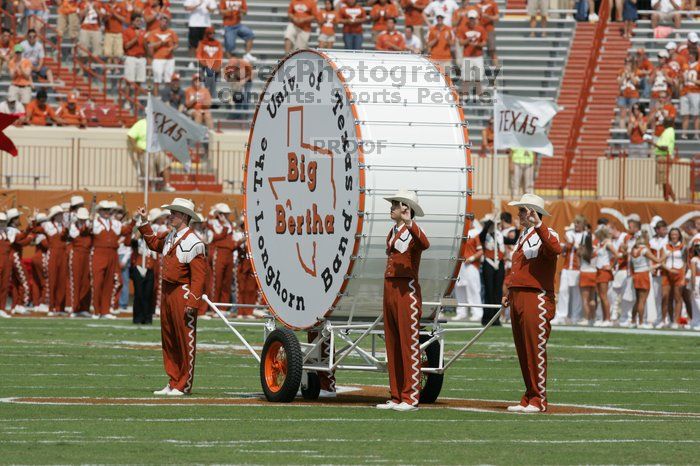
point(61, 358)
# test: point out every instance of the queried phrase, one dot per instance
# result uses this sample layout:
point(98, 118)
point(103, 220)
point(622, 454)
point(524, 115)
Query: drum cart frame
point(287, 365)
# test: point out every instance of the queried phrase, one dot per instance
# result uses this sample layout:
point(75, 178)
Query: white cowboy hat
point(55, 210)
point(693, 37)
point(222, 208)
point(104, 205)
point(82, 214)
point(488, 218)
point(3, 217)
point(531, 201)
point(12, 213)
point(184, 206)
point(671, 46)
point(41, 217)
point(76, 201)
point(410, 198)
point(113, 205)
point(654, 220)
point(154, 214)
point(634, 217)
point(65, 206)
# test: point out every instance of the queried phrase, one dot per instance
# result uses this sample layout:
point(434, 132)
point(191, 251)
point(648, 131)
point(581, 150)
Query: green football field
point(79, 391)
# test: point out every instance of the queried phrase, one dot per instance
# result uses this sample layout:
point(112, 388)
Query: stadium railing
point(80, 64)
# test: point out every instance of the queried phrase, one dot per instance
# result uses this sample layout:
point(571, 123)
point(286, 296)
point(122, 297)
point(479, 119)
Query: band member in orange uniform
point(402, 302)
point(79, 262)
point(221, 247)
point(246, 286)
point(20, 281)
point(39, 283)
point(56, 234)
point(531, 299)
point(184, 275)
point(6, 238)
point(105, 242)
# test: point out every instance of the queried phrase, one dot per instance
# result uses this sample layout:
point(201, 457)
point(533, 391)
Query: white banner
point(170, 130)
point(521, 122)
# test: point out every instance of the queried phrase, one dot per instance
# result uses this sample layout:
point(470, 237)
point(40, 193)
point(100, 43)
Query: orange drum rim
point(275, 366)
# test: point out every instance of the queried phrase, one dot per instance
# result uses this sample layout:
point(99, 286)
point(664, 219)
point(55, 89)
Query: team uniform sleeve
point(550, 240)
point(421, 240)
point(198, 273)
point(153, 241)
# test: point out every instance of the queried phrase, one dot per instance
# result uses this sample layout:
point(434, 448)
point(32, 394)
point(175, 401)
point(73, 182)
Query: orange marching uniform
point(40, 275)
point(79, 262)
point(184, 274)
point(403, 305)
point(221, 247)
point(55, 258)
point(105, 261)
point(246, 286)
point(6, 237)
point(531, 298)
point(21, 291)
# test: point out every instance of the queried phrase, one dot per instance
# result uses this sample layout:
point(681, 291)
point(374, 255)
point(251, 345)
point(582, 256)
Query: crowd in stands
point(86, 254)
point(616, 273)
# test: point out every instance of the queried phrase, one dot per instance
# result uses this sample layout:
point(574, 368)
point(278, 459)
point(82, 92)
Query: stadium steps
point(600, 110)
point(550, 176)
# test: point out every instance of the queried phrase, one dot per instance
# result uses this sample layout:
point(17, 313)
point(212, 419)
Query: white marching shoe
point(108, 316)
point(4, 315)
point(531, 409)
point(164, 391)
point(404, 407)
point(388, 405)
point(516, 408)
point(327, 394)
point(175, 392)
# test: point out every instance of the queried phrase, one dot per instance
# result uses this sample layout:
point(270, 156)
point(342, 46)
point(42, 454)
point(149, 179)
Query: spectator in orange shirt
point(162, 44)
point(68, 21)
point(233, 11)
point(644, 69)
point(327, 19)
point(380, 14)
point(662, 111)
point(7, 46)
point(690, 46)
point(351, 17)
point(662, 78)
point(441, 38)
point(210, 54)
point(198, 102)
point(153, 12)
point(627, 82)
point(413, 15)
point(489, 18)
point(391, 40)
point(21, 74)
point(301, 14)
point(472, 37)
point(117, 17)
point(91, 14)
point(690, 97)
point(239, 75)
point(39, 113)
point(134, 39)
point(70, 113)
point(487, 139)
point(459, 22)
point(636, 128)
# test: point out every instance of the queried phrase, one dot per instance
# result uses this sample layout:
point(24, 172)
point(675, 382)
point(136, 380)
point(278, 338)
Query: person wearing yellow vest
point(159, 165)
point(664, 149)
point(521, 167)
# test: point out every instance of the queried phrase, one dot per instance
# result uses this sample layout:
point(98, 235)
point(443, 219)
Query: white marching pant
point(569, 298)
point(653, 307)
point(695, 300)
point(621, 296)
point(468, 290)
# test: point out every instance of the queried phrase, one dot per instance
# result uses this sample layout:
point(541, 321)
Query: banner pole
point(495, 151)
point(145, 179)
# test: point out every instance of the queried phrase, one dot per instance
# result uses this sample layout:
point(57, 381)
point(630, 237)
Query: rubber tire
point(432, 382)
point(313, 388)
point(292, 381)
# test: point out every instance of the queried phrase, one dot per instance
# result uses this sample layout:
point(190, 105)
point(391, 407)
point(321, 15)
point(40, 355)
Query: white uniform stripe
point(541, 342)
point(189, 321)
point(415, 351)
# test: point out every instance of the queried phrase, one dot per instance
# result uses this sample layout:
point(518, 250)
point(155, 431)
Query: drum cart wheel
point(281, 366)
point(430, 383)
point(311, 387)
